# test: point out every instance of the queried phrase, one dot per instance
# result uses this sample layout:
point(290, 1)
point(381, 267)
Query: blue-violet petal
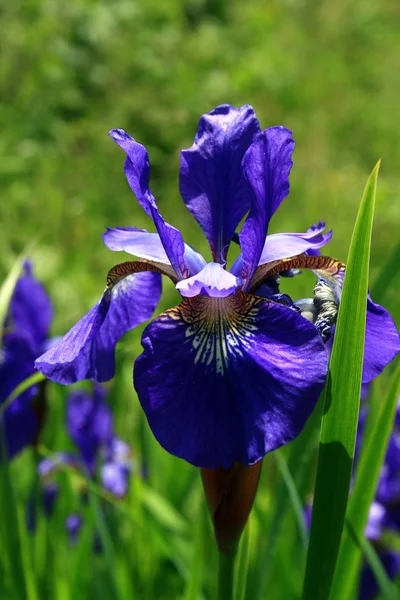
point(228, 379)
point(212, 183)
point(87, 350)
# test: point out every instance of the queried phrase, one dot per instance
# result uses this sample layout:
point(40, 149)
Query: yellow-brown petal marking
point(218, 328)
point(325, 267)
point(118, 272)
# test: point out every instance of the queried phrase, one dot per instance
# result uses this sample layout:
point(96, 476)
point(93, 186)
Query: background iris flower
point(102, 456)
point(25, 337)
point(227, 375)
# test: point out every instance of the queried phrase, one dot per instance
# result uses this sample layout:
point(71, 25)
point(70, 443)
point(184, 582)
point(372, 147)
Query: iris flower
point(25, 337)
point(101, 456)
point(90, 426)
point(234, 370)
point(384, 513)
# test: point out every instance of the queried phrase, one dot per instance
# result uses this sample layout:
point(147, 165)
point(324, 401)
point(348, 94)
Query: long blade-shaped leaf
point(7, 290)
point(339, 423)
point(294, 496)
point(8, 285)
point(367, 476)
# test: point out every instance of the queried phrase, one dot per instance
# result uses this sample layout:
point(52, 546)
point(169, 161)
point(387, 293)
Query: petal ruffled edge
point(211, 181)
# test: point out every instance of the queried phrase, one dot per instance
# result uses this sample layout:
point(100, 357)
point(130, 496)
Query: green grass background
point(69, 72)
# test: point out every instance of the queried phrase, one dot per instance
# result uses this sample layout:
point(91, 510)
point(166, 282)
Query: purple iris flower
point(102, 456)
point(90, 426)
point(25, 337)
point(384, 513)
point(116, 468)
point(227, 375)
point(73, 524)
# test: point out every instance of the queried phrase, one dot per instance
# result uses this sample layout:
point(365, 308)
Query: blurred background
point(71, 71)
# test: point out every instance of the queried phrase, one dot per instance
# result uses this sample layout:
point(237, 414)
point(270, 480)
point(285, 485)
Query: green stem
point(226, 570)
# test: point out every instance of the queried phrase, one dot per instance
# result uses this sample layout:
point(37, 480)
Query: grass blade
point(298, 463)
point(367, 476)
point(386, 586)
point(389, 274)
point(7, 288)
point(339, 423)
point(242, 565)
point(293, 495)
point(194, 581)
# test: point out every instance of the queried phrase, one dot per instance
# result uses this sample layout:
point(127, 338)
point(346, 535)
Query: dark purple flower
point(89, 424)
point(227, 375)
point(384, 513)
point(73, 524)
point(116, 468)
point(25, 337)
point(368, 585)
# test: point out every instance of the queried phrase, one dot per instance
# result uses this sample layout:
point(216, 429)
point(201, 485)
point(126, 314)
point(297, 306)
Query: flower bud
point(230, 495)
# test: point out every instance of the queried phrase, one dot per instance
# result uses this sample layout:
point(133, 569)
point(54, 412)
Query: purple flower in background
point(235, 369)
point(116, 468)
point(384, 513)
point(102, 456)
point(89, 424)
point(73, 524)
point(25, 337)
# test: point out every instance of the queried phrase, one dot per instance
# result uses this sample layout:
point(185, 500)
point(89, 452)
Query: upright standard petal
point(225, 380)
point(212, 183)
point(87, 350)
point(30, 310)
point(137, 171)
point(266, 165)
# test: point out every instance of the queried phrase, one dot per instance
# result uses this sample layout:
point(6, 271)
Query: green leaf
point(163, 511)
point(194, 581)
point(389, 274)
point(293, 495)
point(299, 459)
point(339, 423)
point(7, 289)
point(242, 564)
point(367, 476)
point(14, 553)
